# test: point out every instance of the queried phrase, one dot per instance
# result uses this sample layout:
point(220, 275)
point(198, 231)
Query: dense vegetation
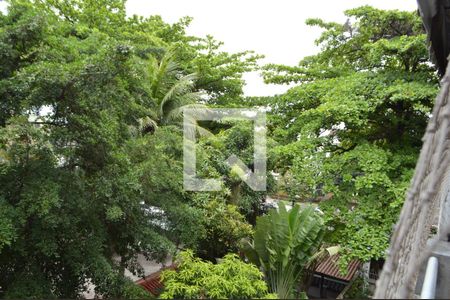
point(351, 132)
point(91, 148)
point(229, 278)
point(283, 244)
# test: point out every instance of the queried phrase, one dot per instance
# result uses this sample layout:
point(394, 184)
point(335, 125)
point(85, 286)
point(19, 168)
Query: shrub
point(231, 278)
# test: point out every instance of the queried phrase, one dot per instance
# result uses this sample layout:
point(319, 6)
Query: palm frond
point(162, 72)
point(197, 111)
point(181, 89)
point(284, 241)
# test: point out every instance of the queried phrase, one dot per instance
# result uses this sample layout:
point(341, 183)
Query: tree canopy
point(350, 133)
point(91, 166)
point(91, 155)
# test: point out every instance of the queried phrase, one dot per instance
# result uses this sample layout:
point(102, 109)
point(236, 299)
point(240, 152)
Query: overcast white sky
point(275, 28)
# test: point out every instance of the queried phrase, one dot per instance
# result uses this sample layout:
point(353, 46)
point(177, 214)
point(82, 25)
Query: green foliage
point(219, 73)
point(233, 138)
point(371, 39)
point(225, 227)
point(91, 148)
point(350, 133)
point(231, 278)
point(134, 291)
point(170, 91)
point(80, 184)
point(283, 243)
point(358, 290)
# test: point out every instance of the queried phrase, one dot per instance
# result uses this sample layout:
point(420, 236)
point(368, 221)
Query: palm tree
point(171, 92)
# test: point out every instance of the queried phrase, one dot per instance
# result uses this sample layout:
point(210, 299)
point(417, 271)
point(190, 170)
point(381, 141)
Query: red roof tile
point(152, 282)
point(330, 267)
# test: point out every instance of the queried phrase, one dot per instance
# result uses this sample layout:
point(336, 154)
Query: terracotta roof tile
point(152, 282)
point(330, 267)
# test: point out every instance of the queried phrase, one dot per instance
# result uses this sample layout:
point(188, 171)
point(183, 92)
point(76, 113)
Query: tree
point(170, 91)
point(225, 227)
point(220, 73)
point(350, 133)
point(77, 182)
point(233, 138)
point(231, 278)
point(283, 243)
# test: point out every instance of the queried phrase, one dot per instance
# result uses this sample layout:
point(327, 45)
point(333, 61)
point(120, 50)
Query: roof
point(152, 282)
point(330, 267)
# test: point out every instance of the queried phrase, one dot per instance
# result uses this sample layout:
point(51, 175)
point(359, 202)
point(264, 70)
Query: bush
point(225, 227)
point(231, 278)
